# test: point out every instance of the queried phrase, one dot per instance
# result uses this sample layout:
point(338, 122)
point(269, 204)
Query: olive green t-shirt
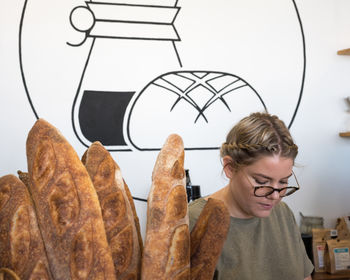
point(261, 248)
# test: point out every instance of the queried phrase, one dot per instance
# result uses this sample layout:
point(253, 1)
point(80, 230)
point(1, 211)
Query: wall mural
point(130, 72)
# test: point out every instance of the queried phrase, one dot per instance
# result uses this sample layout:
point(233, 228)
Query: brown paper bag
point(343, 228)
point(319, 239)
point(337, 256)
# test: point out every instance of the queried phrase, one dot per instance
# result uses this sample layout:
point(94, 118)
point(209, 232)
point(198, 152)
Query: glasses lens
point(266, 191)
point(263, 191)
point(289, 191)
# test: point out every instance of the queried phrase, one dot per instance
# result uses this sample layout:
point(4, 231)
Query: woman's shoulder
point(194, 210)
point(282, 211)
point(196, 205)
point(283, 207)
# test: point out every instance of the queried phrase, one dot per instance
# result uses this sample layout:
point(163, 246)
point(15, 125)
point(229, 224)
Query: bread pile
point(75, 219)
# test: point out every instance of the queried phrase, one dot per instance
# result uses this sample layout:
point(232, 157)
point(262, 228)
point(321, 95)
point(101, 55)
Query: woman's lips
point(266, 206)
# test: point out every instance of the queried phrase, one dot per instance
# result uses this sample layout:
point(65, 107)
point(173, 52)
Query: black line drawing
point(125, 21)
point(117, 21)
point(183, 86)
point(21, 60)
point(304, 66)
point(140, 20)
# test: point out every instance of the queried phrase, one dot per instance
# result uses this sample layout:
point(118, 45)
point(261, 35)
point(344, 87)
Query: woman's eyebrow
point(269, 178)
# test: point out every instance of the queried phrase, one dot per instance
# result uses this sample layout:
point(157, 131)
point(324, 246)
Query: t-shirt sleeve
point(308, 266)
point(194, 210)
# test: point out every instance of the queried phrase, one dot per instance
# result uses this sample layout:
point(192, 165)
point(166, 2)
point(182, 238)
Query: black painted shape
point(101, 116)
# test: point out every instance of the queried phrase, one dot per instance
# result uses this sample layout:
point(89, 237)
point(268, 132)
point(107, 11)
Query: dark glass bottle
point(188, 185)
point(193, 191)
point(196, 192)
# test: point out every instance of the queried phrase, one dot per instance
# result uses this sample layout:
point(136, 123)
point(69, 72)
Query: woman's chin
point(262, 213)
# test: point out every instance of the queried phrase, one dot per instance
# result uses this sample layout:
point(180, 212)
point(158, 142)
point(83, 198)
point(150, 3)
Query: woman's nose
point(275, 195)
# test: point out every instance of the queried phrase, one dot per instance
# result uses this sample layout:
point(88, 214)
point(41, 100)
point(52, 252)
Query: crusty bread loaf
point(67, 207)
point(136, 218)
point(24, 177)
point(166, 252)
point(117, 211)
point(21, 246)
point(207, 239)
point(8, 274)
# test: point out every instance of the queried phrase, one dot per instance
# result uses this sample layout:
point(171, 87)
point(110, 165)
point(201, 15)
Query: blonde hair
point(259, 134)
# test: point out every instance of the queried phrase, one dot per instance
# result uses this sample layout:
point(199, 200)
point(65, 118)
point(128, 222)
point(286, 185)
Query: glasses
point(264, 191)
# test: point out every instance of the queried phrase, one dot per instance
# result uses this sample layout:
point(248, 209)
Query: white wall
point(324, 113)
point(324, 156)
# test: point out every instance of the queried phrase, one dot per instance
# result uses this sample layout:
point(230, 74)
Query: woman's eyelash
point(260, 182)
point(265, 182)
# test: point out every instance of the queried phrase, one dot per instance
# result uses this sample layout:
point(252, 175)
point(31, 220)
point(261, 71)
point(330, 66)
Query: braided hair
point(259, 134)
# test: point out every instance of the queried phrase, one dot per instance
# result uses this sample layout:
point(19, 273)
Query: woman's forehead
point(272, 166)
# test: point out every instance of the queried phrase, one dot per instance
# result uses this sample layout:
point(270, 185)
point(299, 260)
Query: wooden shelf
point(344, 134)
point(326, 276)
point(344, 52)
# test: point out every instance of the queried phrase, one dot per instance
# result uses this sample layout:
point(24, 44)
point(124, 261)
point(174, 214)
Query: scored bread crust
point(67, 207)
point(207, 239)
point(119, 214)
point(136, 218)
point(166, 251)
point(21, 246)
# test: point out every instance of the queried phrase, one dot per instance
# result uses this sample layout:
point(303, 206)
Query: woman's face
point(267, 171)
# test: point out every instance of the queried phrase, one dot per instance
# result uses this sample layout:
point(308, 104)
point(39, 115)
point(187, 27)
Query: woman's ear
point(228, 166)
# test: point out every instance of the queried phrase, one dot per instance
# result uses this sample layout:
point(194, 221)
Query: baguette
point(207, 239)
point(21, 247)
point(6, 273)
point(136, 218)
point(67, 206)
point(24, 177)
point(117, 211)
point(166, 253)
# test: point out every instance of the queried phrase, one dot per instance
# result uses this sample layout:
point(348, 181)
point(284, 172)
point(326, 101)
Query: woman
point(264, 241)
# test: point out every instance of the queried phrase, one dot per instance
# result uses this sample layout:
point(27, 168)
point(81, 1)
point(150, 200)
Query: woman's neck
point(225, 194)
